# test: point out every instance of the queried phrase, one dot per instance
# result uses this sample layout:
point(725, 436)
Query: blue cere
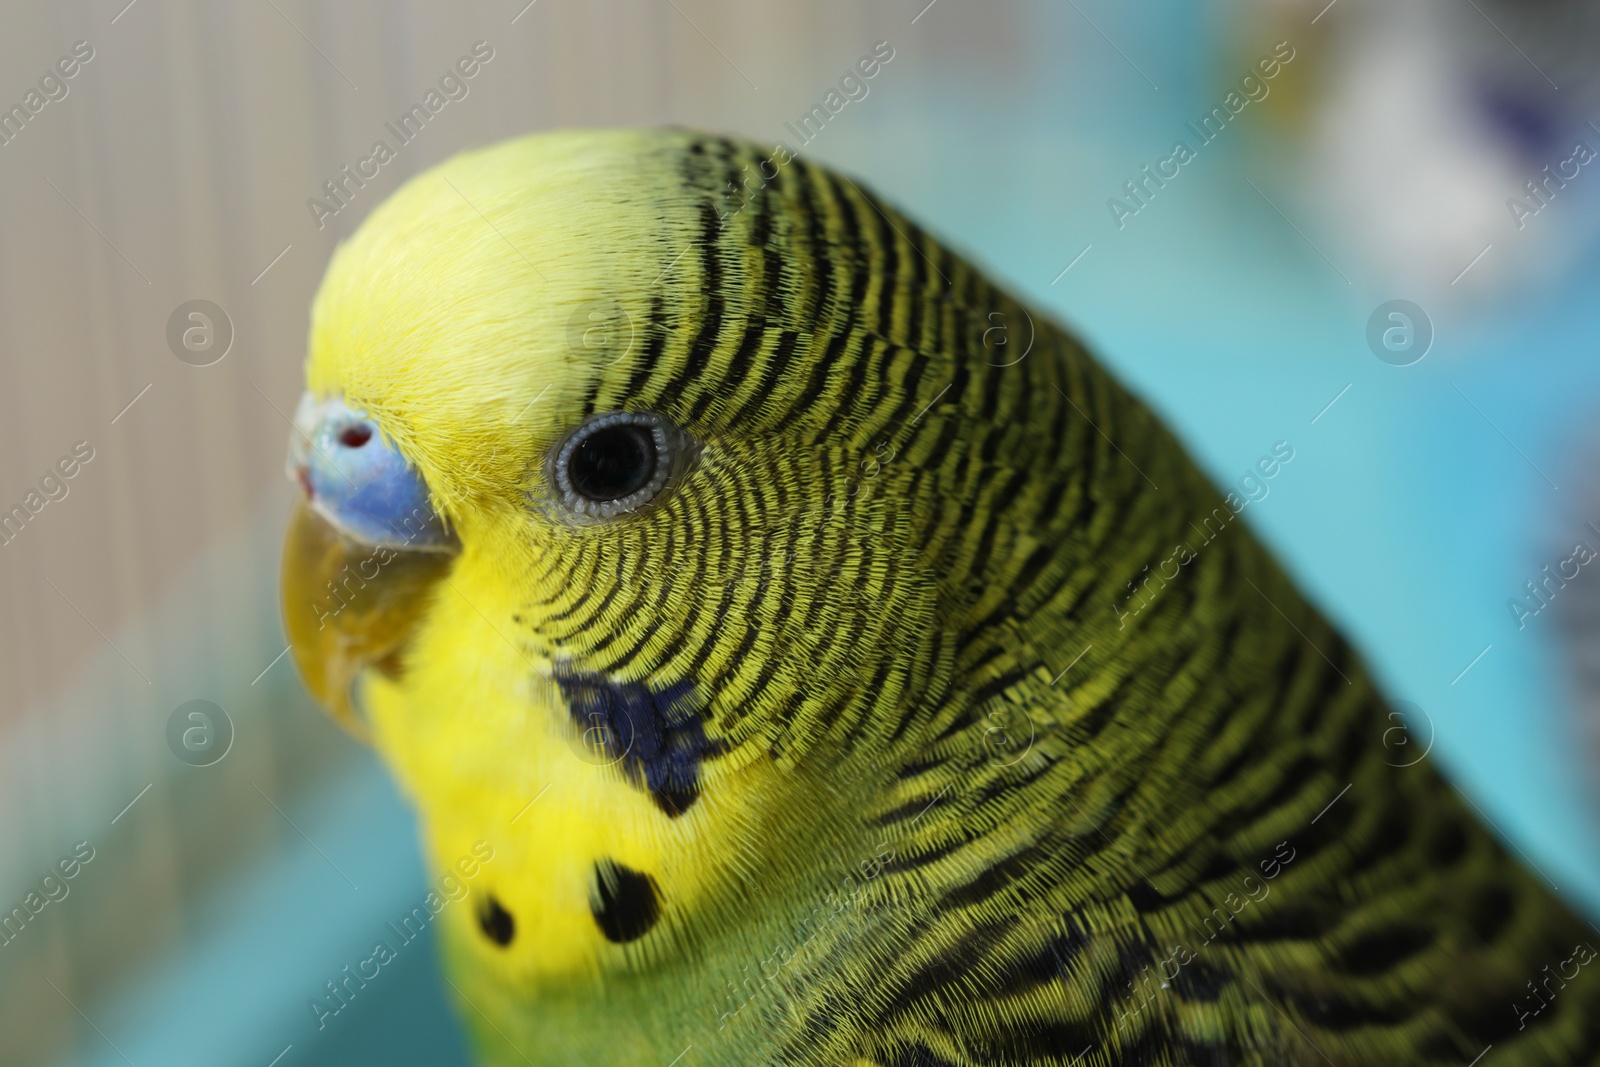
point(358, 481)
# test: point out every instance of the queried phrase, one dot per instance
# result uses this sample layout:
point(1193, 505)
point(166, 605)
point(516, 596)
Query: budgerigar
point(837, 666)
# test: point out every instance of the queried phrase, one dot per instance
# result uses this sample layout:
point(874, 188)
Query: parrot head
point(606, 520)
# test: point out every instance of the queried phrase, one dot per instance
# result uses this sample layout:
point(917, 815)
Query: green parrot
point(800, 652)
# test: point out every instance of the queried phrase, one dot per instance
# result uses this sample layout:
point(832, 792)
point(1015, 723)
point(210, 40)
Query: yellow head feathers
point(480, 285)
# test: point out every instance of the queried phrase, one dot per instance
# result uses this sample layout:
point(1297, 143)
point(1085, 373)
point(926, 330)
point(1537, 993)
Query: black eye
point(615, 463)
point(612, 463)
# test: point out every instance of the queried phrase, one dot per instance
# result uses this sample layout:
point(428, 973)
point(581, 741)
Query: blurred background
point(1376, 243)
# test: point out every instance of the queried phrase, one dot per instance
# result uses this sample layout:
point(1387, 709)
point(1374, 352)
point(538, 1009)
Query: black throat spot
point(656, 735)
point(625, 902)
point(495, 921)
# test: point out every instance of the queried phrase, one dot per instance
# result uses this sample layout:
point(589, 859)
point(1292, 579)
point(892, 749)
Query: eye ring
point(616, 463)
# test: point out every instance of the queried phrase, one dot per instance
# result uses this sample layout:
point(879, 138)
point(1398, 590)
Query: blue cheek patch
point(656, 734)
point(360, 483)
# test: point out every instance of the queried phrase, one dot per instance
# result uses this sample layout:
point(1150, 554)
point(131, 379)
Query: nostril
point(355, 435)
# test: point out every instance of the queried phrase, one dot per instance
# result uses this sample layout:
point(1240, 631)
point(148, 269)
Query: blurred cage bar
point(177, 166)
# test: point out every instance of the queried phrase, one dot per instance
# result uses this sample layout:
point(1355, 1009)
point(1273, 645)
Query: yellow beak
point(348, 606)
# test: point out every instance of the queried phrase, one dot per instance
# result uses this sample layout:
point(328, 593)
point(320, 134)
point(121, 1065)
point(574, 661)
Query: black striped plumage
point(897, 581)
